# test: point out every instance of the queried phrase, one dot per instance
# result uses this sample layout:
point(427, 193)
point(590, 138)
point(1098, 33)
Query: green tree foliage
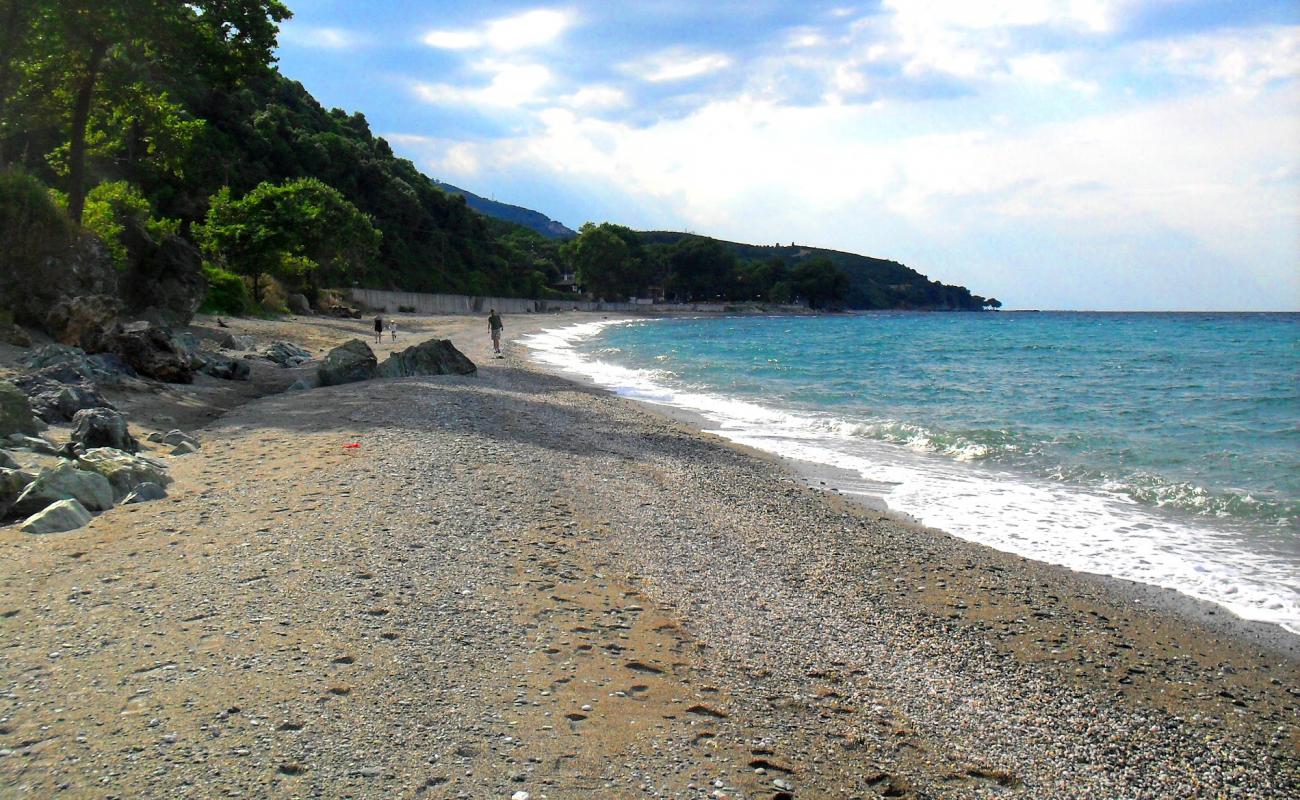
point(610, 261)
point(302, 230)
point(81, 50)
point(701, 269)
point(32, 226)
point(113, 205)
point(820, 282)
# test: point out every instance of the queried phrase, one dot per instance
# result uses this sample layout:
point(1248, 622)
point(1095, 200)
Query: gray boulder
point(287, 354)
point(102, 368)
point(36, 444)
point(225, 367)
point(84, 320)
point(15, 411)
point(58, 392)
point(75, 266)
point(298, 304)
point(65, 515)
point(150, 351)
point(145, 493)
point(65, 482)
point(12, 483)
point(173, 438)
point(125, 472)
point(7, 460)
point(350, 362)
point(434, 357)
point(184, 449)
point(102, 427)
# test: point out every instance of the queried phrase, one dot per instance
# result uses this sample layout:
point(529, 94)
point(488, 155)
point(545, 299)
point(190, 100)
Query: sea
point(1159, 448)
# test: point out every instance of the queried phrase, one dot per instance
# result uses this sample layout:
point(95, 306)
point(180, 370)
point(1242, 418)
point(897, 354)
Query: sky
point(1080, 154)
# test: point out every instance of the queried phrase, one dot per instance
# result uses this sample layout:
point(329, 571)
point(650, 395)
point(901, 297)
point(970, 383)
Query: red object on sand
point(354, 444)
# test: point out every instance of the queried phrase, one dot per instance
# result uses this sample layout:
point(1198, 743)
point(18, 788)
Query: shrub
point(32, 226)
point(110, 206)
point(227, 293)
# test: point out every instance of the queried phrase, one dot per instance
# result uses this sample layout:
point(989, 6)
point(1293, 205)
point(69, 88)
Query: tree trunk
point(80, 119)
point(12, 24)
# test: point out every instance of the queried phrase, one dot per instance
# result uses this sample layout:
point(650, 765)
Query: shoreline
point(832, 480)
point(522, 583)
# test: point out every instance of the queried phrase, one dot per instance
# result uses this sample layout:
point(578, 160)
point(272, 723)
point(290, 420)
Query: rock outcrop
point(150, 351)
point(164, 280)
point(298, 304)
point(287, 354)
point(79, 267)
point(84, 321)
point(434, 357)
point(102, 427)
point(349, 362)
point(15, 411)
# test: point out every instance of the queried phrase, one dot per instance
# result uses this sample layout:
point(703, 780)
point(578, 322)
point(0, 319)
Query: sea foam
point(941, 482)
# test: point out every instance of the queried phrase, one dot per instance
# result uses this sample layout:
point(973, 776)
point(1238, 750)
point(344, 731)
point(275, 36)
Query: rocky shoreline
point(508, 584)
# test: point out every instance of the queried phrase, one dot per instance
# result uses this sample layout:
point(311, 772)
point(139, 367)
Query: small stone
point(521, 795)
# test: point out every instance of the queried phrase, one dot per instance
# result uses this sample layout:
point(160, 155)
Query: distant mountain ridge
point(533, 220)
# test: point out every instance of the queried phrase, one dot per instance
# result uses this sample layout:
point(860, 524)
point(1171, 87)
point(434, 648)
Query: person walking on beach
point(379, 330)
point(495, 326)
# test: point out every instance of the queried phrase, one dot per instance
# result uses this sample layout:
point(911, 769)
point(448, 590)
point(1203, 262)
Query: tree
point(301, 229)
point(77, 43)
point(609, 260)
point(820, 282)
point(701, 268)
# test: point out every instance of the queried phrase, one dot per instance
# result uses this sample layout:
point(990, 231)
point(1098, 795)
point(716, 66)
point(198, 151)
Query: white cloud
point(508, 34)
point(676, 66)
point(1245, 61)
point(322, 38)
point(511, 86)
point(596, 97)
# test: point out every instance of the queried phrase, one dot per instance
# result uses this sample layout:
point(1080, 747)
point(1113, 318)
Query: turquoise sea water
point(1163, 448)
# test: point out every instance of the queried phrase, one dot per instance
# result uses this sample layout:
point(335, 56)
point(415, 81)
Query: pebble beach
point(515, 585)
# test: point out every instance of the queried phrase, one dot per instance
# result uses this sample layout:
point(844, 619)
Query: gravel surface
point(518, 584)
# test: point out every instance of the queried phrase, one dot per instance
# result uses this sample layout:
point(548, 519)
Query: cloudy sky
point(1095, 154)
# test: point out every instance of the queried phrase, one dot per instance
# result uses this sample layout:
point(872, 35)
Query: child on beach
point(392, 329)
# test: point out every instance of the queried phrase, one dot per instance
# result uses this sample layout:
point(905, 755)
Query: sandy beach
point(518, 583)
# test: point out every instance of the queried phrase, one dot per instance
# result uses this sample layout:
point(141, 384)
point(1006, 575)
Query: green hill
point(874, 283)
point(533, 220)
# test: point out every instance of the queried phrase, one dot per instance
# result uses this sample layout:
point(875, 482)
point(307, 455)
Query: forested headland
point(138, 127)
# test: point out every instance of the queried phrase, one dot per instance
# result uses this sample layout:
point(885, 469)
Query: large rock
point(287, 354)
point(12, 483)
point(225, 367)
point(230, 341)
point(59, 391)
point(7, 460)
point(298, 304)
point(84, 321)
point(102, 427)
point(15, 411)
point(102, 368)
point(125, 472)
point(164, 280)
point(350, 362)
point(65, 482)
point(76, 267)
point(145, 493)
point(150, 351)
point(65, 515)
point(434, 357)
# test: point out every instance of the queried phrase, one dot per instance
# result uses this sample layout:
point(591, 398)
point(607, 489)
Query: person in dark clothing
point(495, 326)
point(379, 330)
